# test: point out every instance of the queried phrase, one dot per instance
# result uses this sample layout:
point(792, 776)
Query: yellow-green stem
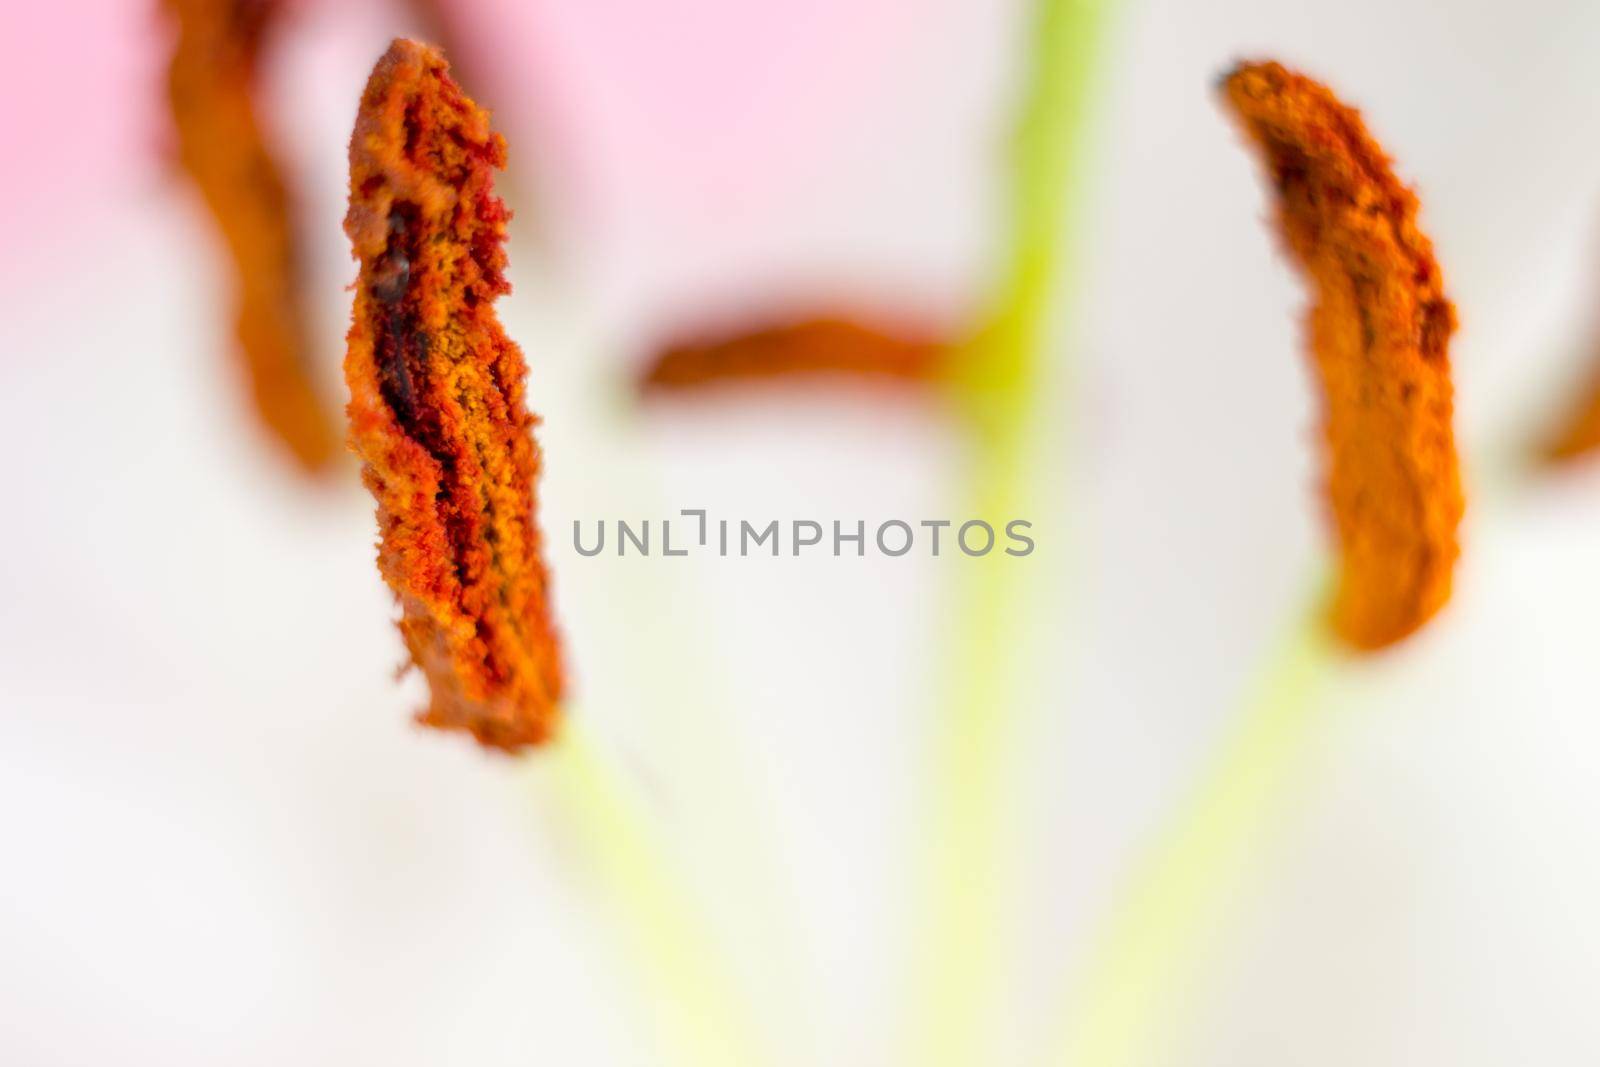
point(1152, 942)
point(695, 1006)
point(967, 869)
point(996, 376)
point(996, 381)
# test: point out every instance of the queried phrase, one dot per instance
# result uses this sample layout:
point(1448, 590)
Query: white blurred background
point(221, 839)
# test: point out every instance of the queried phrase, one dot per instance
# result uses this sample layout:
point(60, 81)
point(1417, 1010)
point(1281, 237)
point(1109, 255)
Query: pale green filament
point(1129, 1000)
point(996, 380)
point(967, 870)
point(694, 1002)
point(995, 375)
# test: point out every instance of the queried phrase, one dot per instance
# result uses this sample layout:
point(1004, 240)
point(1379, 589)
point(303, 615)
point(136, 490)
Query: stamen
point(796, 347)
point(211, 87)
point(437, 409)
point(1380, 329)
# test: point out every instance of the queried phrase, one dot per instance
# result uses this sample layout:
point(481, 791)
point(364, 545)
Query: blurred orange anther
point(794, 348)
point(1380, 329)
point(211, 85)
point(437, 407)
point(1578, 434)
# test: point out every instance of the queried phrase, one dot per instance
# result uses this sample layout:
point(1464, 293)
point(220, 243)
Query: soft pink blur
point(725, 89)
point(721, 102)
point(80, 94)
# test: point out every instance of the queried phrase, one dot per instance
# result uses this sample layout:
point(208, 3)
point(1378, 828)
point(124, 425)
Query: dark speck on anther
point(392, 271)
point(391, 276)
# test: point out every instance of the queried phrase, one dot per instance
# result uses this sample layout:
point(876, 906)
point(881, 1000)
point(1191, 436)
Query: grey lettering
point(1011, 532)
point(577, 542)
point(746, 530)
point(624, 535)
point(859, 537)
point(961, 536)
point(904, 548)
point(799, 542)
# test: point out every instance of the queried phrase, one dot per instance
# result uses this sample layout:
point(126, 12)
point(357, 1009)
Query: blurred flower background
point(222, 839)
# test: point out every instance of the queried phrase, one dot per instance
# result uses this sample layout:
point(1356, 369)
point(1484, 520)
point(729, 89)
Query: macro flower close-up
point(737, 533)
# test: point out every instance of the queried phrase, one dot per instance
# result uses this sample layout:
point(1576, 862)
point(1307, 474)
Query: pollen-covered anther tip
point(1225, 77)
point(437, 409)
point(1379, 332)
